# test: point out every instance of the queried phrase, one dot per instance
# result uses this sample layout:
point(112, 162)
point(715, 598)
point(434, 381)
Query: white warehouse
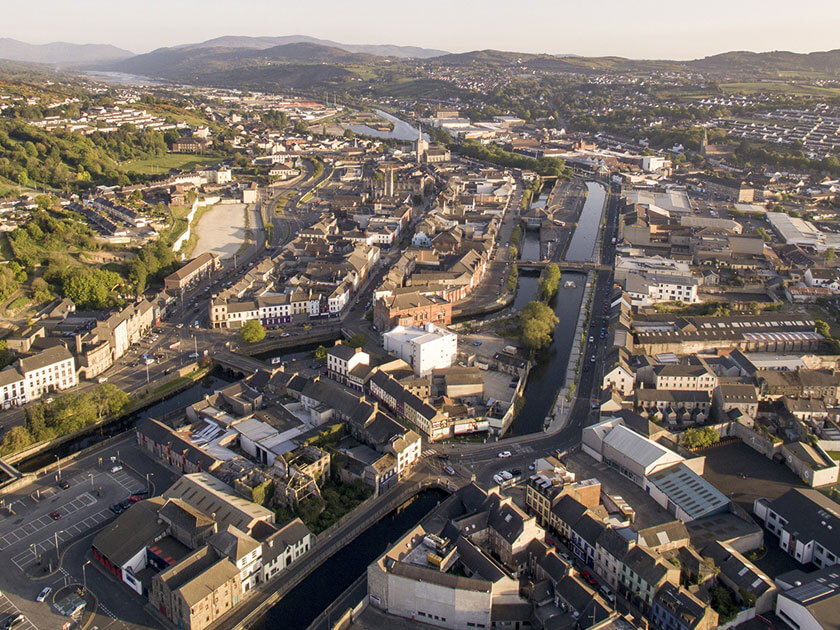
point(424, 349)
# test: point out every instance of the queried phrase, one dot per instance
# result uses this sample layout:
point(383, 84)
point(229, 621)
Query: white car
point(43, 594)
point(504, 454)
point(498, 479)
point(116, 469)
point(506, 475)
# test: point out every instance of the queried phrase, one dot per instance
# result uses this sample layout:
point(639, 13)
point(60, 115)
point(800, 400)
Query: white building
point(424, 349)
point(12, 388)
point(648, 289)
point(50, 370)
point(341, 359)
point(810, 601)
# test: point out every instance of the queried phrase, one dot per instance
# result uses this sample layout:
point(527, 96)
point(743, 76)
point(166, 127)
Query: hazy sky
point(676, 29)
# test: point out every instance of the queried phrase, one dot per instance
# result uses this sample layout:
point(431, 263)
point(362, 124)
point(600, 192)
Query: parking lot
point(70, 511)
point(9, 610)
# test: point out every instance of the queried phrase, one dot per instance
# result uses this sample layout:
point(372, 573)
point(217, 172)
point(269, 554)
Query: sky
point(641, 29)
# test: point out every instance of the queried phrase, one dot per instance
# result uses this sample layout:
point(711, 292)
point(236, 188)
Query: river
point(401, 131)
point(582, 246)
point(302, 605)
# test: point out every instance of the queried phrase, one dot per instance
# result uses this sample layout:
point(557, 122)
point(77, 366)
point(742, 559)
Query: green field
point(792, 89)
point(161, 165)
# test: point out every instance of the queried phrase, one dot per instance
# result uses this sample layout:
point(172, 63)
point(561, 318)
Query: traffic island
point(75, 603)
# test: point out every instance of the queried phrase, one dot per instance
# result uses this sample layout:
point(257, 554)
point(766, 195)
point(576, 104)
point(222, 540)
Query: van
point(102, 379)
point(607, 593)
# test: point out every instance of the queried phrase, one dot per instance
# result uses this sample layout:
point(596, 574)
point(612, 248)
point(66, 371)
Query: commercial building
point(809, 601)
point(411, 309)
point(342, 359)
point(50, 370)
point(424, 348)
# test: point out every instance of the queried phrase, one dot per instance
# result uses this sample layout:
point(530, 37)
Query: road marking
point(10, 609)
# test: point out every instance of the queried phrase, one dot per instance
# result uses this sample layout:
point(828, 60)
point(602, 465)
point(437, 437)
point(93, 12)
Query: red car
point(133, 499)
point(55, 516)
point(586, 575)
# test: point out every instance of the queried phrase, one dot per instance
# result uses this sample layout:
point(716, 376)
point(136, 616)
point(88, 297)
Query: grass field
point(793, 89)
point(161, 165)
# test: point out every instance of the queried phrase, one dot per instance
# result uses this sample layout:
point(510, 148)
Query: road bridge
point(238, 363)
point(564, 265)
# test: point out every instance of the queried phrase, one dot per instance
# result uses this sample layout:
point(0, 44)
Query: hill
point(61, 53)
point(380, 50)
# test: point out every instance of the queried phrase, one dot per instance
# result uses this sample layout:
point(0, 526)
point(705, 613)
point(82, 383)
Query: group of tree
point(153, 262)
point(549, 282)
point(753, 154)
point(537, 323)
point(495, 154)
point(47, 233)
point(12, 276)
point(699, 437)
point(66, 414)
point(63, 159)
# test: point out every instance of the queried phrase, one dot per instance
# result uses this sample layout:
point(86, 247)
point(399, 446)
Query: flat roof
point(689, 491)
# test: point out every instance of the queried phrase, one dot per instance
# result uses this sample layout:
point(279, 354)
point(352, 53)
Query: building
point(697, 376)
point(810, 601)
point(213, 496)
point(411, 309)
point(424, 348)
point(804, 521)
point(342, 359)
point(674, 608)
point(50, 370)
point(12, 388)
point(197, 270)
point(198, 590)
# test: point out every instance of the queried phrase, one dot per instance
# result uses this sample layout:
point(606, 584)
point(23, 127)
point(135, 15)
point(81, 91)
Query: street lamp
point(84, 577)
point(91, 481)
point(55, 534)
point(148, 483)
point(58, 459)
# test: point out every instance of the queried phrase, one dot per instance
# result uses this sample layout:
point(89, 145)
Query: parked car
point(587, 576)
point(43, 594)
point(516, 471)
point(116, 508)
point(63, 484)
point(498, 479)
point(506, 475)
point(606, 592)
point(55, 515)
point(134, 498)
point(125, 504)
point(14, 621)
point(116, 469)
point(477, 343)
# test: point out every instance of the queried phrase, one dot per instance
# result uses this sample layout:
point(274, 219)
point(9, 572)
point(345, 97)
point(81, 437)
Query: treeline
point(494, 154)
point(751, 154)
point(67, 414)
point(153, 262)
point(63, 159)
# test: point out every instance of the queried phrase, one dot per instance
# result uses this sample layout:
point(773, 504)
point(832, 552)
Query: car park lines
point(8, 609)
point(127, 481)
point(29, 556)
point(31, 528)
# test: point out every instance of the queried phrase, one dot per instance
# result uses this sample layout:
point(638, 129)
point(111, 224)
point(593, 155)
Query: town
point(529, 342)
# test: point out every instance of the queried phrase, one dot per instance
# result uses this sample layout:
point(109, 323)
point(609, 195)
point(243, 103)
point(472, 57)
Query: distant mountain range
point(61, 53)
point(380, 50)
point(287, 61)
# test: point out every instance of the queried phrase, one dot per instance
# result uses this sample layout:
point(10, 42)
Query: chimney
point(358, 350)
point(78, 344)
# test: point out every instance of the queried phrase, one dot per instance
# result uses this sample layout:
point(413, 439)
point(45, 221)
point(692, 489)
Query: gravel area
point(221, 230)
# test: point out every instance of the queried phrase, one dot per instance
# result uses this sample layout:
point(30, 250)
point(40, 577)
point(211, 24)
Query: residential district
point(366, 364)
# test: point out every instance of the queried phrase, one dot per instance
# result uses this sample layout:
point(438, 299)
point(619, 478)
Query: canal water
point(531, 245)
point(302, 605)
point(206, 386)
point(582, 246)
point(401, 131)
point(549, 373)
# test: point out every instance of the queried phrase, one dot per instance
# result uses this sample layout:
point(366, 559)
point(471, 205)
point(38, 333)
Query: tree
point(823, 328)
point(549, 282)
point(763, 234)
point(828, 256)
point(252, 331)
point(699, 438)
point(357, 341)
point(537, 322)
point(321, 353)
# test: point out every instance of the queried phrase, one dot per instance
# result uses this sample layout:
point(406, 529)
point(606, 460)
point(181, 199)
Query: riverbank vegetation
point(537, 323)
point(494, 154)
point(549, 282)
point(64, 415)
point(252, 331)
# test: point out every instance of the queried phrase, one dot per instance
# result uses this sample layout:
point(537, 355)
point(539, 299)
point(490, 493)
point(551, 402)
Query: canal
point(205, 386)
point(401, 131)
point(582, 246)
point(549, 373)
point(302, 605)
